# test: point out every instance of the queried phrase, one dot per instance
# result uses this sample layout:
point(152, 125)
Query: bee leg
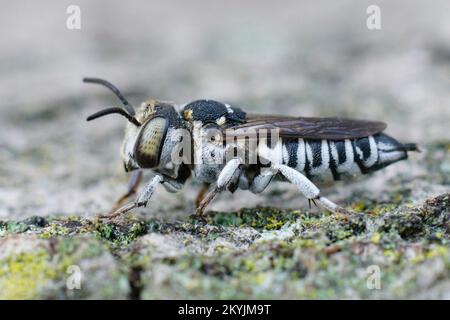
point(201, 194)
point(200, 211)
point(308, 188)
point(224, 178)
point(313, 201)
point(124, 209)
point(142, 199)
point(262, 180)
point(135, 181)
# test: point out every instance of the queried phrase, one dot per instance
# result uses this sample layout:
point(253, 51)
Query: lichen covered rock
point(33, 266)
point(388, 251)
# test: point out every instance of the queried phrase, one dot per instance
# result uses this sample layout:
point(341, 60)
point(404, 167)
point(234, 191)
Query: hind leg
point(309, 189)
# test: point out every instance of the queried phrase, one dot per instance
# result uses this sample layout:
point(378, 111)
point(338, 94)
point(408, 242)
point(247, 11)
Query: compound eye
point(150, 142)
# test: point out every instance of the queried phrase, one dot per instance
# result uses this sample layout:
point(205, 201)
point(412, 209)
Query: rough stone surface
point(253, 253)
point(57, 172)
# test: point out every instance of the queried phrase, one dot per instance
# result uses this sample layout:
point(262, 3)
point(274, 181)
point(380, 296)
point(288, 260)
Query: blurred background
point(311, 58)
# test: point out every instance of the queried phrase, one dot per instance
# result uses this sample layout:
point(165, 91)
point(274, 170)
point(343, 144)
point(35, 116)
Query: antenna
point(111, 110)
point(129, 108)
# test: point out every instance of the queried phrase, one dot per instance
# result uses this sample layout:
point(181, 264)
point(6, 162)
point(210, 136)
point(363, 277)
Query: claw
point(313, 201)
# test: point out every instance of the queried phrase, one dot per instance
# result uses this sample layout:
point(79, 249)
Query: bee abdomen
point(389, 151)
point(327, 160)
point(311, 157)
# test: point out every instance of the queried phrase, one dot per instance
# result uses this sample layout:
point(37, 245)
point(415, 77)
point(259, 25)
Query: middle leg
point(223, 180)
point(201, 193)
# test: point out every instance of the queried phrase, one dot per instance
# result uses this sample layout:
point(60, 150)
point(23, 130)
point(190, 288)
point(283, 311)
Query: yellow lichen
point(376, 238)
point(437, 252)
point(249, 265)
point(359, 206)
point(23, 274)
point(273, 223)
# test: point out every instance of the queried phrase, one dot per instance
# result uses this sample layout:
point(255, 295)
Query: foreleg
point(133, 184)
point(172, 185)
point(142, 199)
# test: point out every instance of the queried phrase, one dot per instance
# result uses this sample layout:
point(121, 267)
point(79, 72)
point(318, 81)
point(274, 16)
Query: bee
point(224, 146)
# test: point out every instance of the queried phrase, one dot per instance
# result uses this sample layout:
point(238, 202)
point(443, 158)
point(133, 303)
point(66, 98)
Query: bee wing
point(309, 128)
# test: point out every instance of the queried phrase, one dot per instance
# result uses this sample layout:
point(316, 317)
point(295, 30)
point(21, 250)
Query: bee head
point(147, 129)
point(157, 118)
